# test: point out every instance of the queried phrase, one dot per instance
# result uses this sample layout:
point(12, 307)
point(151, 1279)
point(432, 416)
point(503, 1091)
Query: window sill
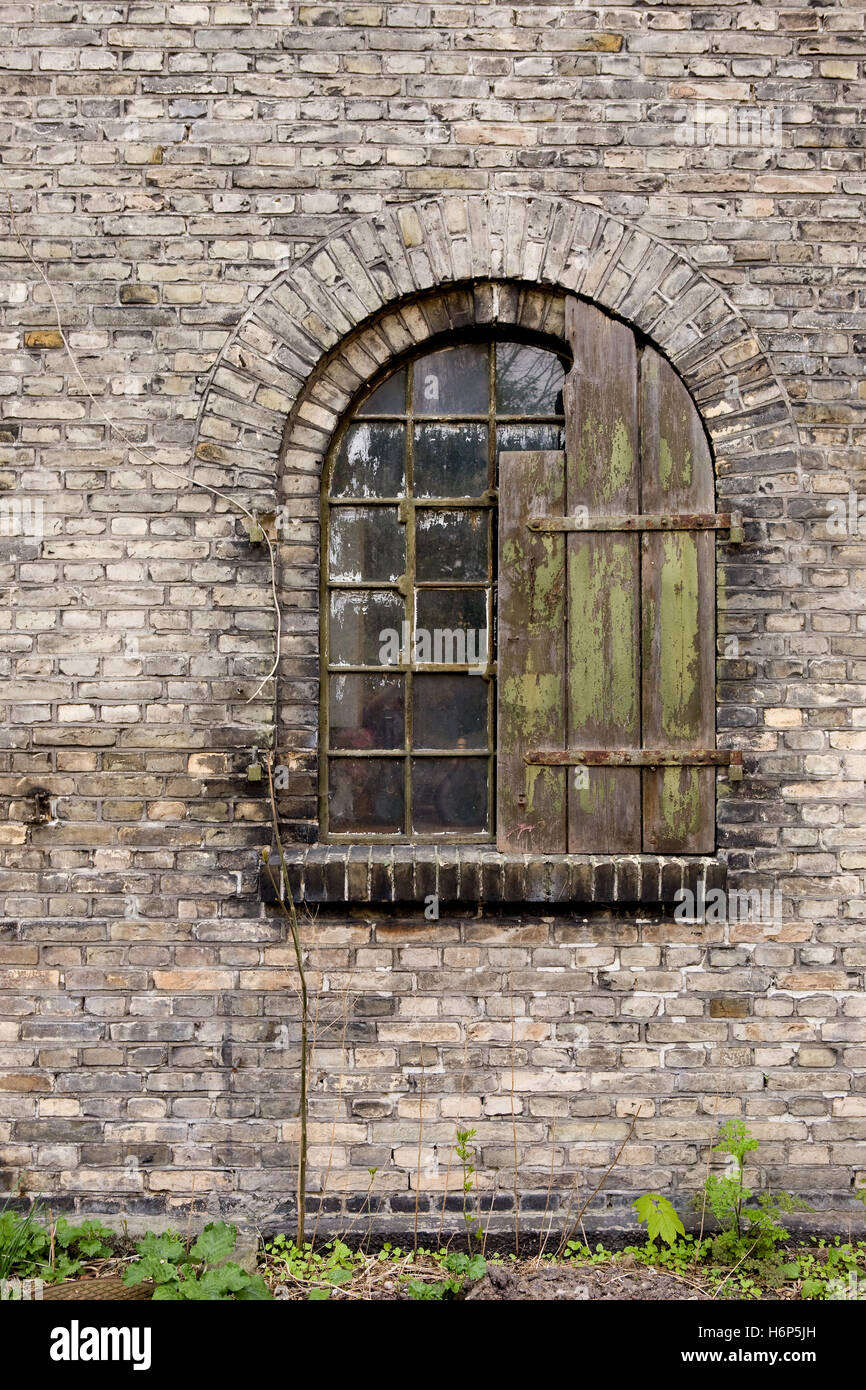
point(474, 873)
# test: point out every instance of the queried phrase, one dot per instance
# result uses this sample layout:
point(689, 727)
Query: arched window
point(519, 601)
point(409, 588)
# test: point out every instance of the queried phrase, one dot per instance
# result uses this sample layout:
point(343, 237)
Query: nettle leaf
point(813, 1288)
point(318, 1295)
point(256, 1290)
point(151, 1267)
point(219, 1284)
point(216, 1242)
point(660, 1216)
point(477, 1267)
point(167, 1246)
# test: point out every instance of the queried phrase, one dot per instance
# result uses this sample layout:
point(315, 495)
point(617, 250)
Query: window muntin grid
point(409, 549)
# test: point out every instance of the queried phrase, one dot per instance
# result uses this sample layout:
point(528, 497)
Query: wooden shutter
point(601, 443)
point(678, 576)
point(531, 664)
point(607, 614)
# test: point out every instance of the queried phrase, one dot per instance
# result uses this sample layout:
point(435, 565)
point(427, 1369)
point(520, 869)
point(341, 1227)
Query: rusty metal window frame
point(407, 585)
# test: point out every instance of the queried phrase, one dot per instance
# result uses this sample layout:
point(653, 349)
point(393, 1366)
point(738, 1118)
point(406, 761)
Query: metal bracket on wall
point(732, 522)
point(731, 758)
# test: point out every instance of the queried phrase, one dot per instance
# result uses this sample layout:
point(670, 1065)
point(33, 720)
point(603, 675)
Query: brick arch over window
point(387, 286)
point(328, 323)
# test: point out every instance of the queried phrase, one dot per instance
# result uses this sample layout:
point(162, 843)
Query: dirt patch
point(602, 1282)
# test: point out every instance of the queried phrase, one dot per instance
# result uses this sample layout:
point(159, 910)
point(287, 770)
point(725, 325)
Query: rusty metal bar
point(648, 521)
point(636, 757)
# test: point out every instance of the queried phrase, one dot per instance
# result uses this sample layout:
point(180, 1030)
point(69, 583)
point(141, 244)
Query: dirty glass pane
point(449, 794)
point(365, 711)
point(366, 794)
point(451, 545)
point(450, 460)
point(387, 399)
point(528, 380)
point(451, 627)
point(449, 711)
point(366, 543)
point(452, 382)
point(525, 438)
point(370, 462)
point(365, 628)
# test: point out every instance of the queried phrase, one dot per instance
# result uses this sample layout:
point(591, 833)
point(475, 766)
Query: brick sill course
point(474, 873)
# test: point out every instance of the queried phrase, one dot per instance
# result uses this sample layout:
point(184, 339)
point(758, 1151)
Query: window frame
point(407, 584)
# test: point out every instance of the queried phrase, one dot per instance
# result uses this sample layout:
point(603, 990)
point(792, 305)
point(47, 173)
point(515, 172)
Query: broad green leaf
point(167, 1293)
point(477, 1267)
point(216, 1242)
point(256, 1290)
point(167, 1246)
point(660, 1216)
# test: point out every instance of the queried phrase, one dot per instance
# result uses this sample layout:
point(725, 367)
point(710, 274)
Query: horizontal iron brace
point(636, 757)
point(647, 521)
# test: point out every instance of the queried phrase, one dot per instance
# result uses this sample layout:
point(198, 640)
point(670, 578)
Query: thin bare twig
point(566, 1238)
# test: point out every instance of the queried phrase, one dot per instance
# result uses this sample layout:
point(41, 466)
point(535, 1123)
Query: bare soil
point(551, 1283)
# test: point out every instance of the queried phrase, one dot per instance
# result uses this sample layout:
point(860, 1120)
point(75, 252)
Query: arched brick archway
point(385, 286)
point(327, 324)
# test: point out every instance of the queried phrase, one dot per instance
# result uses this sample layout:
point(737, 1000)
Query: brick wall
point(243, 210)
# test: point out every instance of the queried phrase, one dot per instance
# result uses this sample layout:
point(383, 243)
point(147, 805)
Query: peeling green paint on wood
point(613, 440)
point(602, 599)
point(678, 617)
point(531, 802)
point(600, 397)
point(679, 637)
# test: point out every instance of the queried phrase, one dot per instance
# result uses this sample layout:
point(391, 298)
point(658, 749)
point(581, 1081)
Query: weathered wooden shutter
point(607, 614)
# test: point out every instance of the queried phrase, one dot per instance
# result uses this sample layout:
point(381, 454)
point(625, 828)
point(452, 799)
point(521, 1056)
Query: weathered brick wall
point(220, 197)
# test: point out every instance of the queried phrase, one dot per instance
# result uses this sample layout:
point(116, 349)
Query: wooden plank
point(645, 521)
point(601, 429)
point(678, 600)
point(635, 757)
point(530, 802)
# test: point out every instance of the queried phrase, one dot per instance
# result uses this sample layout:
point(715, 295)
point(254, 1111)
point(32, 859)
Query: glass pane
point(450, 460)
point(451, 627)
point(528, 437)
point(528, 380)
point(366, 794)
point(365, 711)
point(449, 712)
point(387, 399)
point(452, 382)
point(366, 543)
point(451, 545)
point(365, 629)
point(449, 794)
point(370, 462)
